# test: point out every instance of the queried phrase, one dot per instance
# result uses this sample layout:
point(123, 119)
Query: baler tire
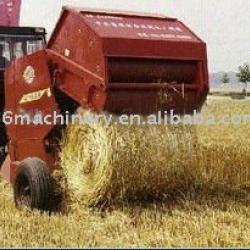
point(33, 185)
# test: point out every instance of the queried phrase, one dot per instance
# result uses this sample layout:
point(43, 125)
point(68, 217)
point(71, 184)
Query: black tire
point(33, 185)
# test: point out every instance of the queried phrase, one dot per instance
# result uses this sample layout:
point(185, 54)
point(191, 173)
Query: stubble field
point(211, 210)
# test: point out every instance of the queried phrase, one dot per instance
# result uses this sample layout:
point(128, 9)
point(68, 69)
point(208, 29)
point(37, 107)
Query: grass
point(210, 212)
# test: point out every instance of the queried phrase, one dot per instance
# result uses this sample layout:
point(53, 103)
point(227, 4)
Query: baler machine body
point(111, 61)
point(129, 58)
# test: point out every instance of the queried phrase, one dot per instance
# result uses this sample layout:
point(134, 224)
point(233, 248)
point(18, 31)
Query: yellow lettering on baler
point(35, 96)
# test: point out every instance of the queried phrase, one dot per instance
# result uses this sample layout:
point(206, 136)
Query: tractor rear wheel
point(33, 185)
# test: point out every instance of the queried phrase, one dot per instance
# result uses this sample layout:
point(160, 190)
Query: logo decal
point(35, 96)
point(29, 74)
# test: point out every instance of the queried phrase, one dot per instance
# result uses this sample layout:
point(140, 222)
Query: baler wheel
point(33, 185)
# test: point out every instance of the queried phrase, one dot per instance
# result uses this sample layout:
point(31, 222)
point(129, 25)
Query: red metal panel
point(76, 41)
point(142, 70)
point(28, 91)
point(10, 12)
point(151, 100)
point(153, 49)
point(31, 95)
point(134, 27)
point(77, 82)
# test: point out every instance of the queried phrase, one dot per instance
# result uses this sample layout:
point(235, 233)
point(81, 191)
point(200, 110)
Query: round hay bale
point(129, 162)
point(120, 162)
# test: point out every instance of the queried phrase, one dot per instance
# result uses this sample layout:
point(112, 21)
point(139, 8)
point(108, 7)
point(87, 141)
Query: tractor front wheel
point(33, 185)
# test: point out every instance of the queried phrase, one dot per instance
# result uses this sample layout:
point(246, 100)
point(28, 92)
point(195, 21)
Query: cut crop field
point(208, 206)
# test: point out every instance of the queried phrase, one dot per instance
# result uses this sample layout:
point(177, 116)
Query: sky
point(223, 24)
